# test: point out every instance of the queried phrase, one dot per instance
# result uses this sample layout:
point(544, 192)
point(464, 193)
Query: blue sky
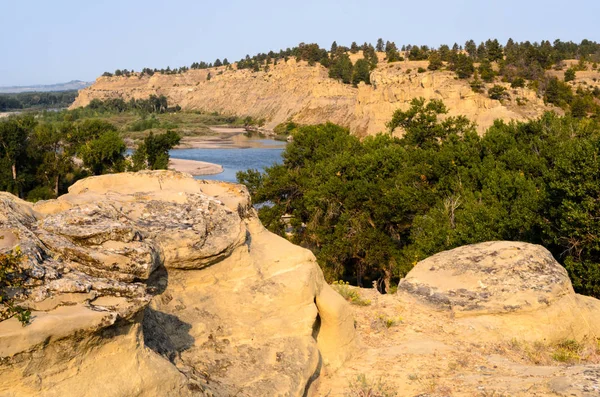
point(44, 42)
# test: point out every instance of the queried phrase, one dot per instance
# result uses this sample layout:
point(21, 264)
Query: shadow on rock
point(166, 334)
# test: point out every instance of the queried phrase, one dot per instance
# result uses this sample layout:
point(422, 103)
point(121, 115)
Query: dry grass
point(566, 351)
point(382, 321)
point(363, 387)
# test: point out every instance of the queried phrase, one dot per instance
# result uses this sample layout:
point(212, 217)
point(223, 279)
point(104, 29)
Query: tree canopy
point(371, 209)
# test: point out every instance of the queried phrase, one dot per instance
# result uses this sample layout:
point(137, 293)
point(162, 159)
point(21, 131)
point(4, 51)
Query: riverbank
point(227, 137)
point(195, 167)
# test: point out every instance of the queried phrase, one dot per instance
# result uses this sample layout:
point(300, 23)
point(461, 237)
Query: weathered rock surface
point(307, 95)
point(489, 319)
point(509, 288)
point(157, 284)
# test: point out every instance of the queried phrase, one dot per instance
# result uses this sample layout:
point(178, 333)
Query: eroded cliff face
point(305, 94)
point(156, 284)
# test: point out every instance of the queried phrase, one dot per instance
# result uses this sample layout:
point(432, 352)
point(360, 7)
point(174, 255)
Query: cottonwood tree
point(14, 138)
point(153, 152)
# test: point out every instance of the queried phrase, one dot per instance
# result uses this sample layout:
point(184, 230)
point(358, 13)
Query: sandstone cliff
point(307, 95)
point(155, 284)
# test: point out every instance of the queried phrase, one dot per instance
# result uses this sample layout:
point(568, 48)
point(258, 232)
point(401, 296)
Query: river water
point(233, 159)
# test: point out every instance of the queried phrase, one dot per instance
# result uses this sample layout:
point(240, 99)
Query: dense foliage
point(153, 104)
point(153, 152)
point(11, 277)
point(40, 157)
point(37, 100)
point(371, 209)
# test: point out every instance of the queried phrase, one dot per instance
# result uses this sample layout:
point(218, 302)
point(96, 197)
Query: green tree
point(334, 47)
point(463, 66)
point(380, 46)
point(421, 126)
point(51, 142)
point(370, 209)
point(361, 72)
point(486, 71)
point(558, 93)
point(444, 52)
point(435, 61)
point(370, 56)
point(471, 49)
point(104, 154)
point(153, 152)
point(14, 137)
point(391, 52)
point(569, 75)
point(341, 68)
point(476, 84)
point(494, 50)
point(481, 51)
point(498, 92)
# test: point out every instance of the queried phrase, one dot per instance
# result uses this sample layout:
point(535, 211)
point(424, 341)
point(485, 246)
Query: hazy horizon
point(56, 42)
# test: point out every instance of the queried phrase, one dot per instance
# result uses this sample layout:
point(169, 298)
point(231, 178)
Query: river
point(260, 154)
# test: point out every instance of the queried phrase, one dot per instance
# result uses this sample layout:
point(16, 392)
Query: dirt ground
point(406, 348)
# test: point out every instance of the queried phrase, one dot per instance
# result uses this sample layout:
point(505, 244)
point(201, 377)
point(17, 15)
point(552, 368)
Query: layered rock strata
point(157, 284)
point(305, 94)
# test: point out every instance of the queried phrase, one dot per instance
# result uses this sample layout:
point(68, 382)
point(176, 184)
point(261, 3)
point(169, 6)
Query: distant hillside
point(360, 87)
point(70, 86)
point(295, 90)
point(36, 100)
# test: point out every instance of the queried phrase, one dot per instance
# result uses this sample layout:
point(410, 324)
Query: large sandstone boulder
point(158, 284)
point(504, 290)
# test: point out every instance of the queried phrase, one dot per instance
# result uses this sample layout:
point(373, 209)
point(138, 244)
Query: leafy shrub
point(435, 61)
point(522, 101)
point(567, 351)
point(40, 193)
point(518, 82)
point(558, 93)
point(477, 85)
point(498, 92)
point(421, 70)
point(349, 293)
point(11, 276)
point(144, 124)
point(285, 128)
point(569, 75)
point(387, 322)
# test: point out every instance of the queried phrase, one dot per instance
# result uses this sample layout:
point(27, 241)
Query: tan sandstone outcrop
point(503, 289)
point(308, 96)
point(489, 319)
point(156, 284)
